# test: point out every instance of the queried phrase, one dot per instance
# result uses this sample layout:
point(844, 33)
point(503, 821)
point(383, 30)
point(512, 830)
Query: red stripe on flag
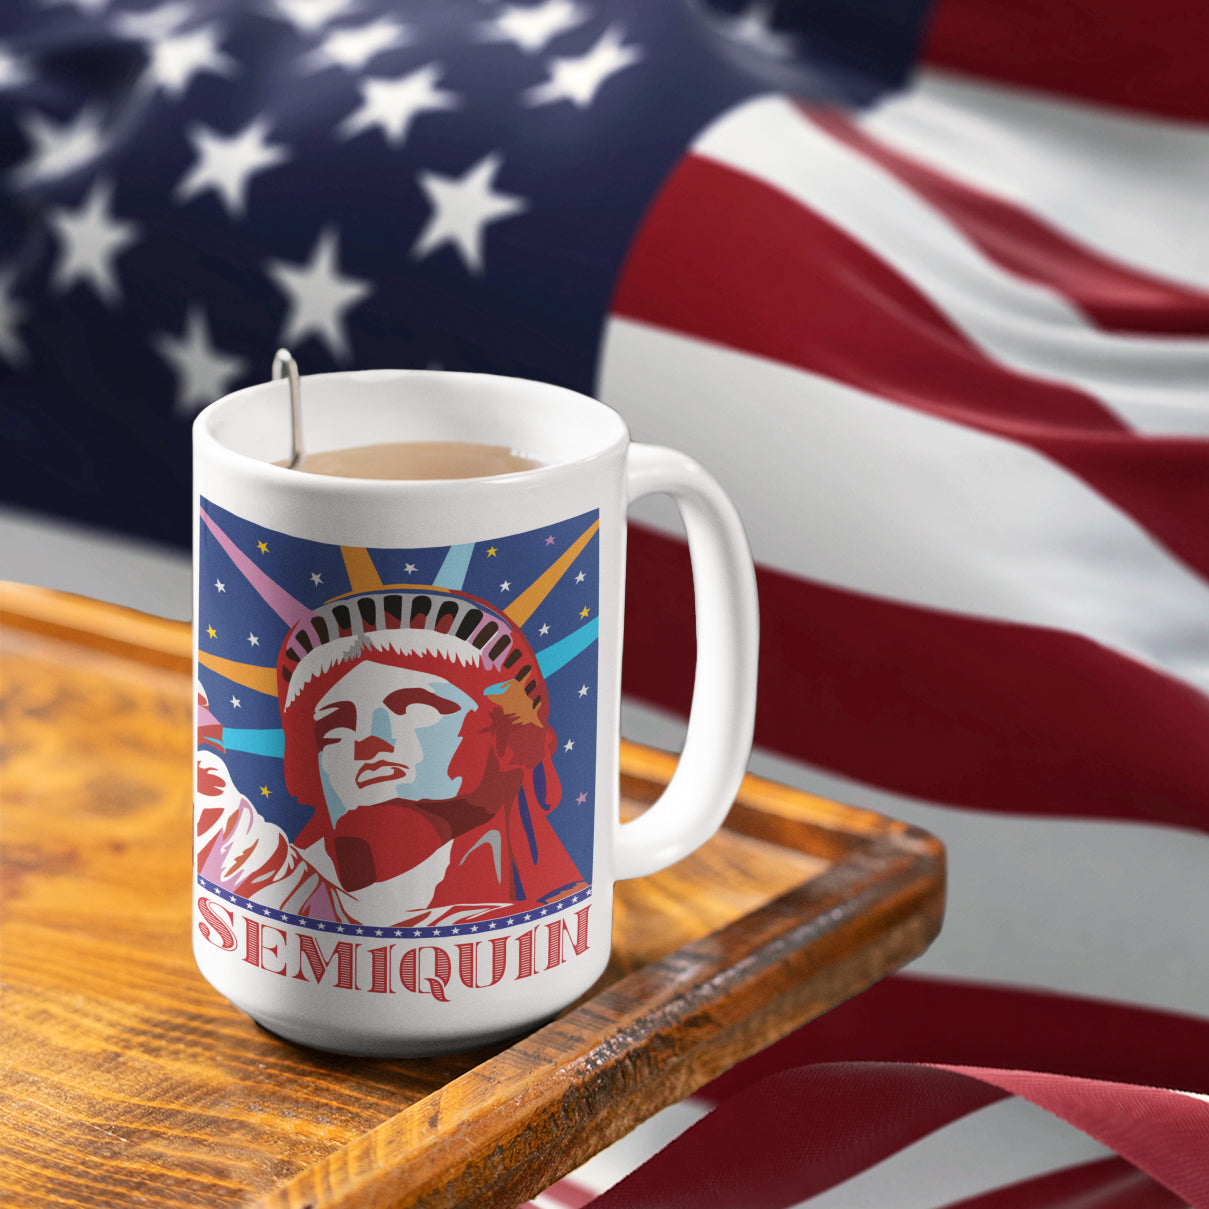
point(727, 258)
point(936, 706)
point(925, 1019)
point(1111, 295)
point(798, 1133)
point(1104, 1184)
point(1164, 1134)
point(724, 257)
point(1148, 56)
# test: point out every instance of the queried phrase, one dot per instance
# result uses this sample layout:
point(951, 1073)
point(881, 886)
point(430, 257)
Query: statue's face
point(386, 733)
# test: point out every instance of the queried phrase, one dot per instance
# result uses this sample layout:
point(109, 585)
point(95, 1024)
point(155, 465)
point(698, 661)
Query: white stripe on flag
point(847, 489)
point(1105, 910)
point(1152, 383)
point(1146, 178)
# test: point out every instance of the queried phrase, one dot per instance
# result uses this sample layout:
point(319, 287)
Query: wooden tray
point(128, 1080)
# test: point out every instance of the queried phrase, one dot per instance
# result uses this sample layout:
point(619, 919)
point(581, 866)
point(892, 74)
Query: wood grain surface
point(128, 1080)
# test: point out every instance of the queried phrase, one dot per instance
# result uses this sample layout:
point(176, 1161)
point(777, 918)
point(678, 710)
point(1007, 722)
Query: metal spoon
point(284, 364)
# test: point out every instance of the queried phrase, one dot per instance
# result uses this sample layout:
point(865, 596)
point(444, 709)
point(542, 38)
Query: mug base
point(339, 1042)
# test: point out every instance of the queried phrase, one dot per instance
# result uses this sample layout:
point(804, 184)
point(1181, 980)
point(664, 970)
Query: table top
point(127, 1079)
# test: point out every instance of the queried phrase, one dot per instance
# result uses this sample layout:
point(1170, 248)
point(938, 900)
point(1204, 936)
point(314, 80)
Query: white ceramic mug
point(406, 818)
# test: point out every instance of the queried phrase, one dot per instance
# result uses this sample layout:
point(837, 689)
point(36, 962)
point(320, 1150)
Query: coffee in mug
point(406, 830)
point(418, 460)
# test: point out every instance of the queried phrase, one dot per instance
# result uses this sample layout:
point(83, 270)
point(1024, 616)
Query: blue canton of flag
point(190, 184)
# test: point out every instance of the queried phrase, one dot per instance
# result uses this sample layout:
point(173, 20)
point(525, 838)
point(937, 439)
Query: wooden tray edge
point(558, 1096)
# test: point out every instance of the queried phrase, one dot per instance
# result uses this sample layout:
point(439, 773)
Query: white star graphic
point(203, 372)
point(153, 23)
point(352, 49)
point(226, 163)
point(14, 71)
point(579, 801)
point(535, 26)
point(506, 586)
point(319, 295)
point(462, 208)
point(570, 743)
point(410, 569)
point(235, 702)
point(579, 578)
point(253, 640)
point(177, 59)
point(218, 583)
point(316, 578)
point(753, 27)
point(579, 79)
point(544, 630)
point(12, 314)
point(59, 147)
point(392, 105)
point(583, 690)
point(306, 16)
point(91, 240)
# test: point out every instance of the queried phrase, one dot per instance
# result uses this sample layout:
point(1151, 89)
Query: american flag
point(926, 288)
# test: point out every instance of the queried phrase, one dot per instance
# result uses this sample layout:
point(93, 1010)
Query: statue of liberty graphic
point(416, 725)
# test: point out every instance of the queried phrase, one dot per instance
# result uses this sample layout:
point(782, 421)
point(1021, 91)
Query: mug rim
point(611, 435)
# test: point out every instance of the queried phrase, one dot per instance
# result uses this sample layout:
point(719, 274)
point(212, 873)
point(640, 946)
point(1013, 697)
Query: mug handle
point(722, 716)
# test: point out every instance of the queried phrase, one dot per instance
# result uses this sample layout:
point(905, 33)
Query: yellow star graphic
point(585, 611)
point(490, 551)
point(264, 791)
point(211, 631)
point(264, 547)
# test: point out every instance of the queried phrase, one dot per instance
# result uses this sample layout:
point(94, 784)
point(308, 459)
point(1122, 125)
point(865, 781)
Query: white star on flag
point(226, 163)
point(91, 240)
point(579, 79)
point(218, 583)
point(392, 105)
point(316, 578)
point(583, 691)
point(579, 578)
point(753, 27)
point(12, 314)
point(506, 586)
point(154, 23)
point(319, 295)
point(59, 147)
point(354, 48)
point(176, 60)
point(535, 26)
point(14, 71)
point(253, 640)
point(203, 372)
point(306, 16)
point(570, 743)
point(462, 208)
point(235, 702)
point(409, 569)
point(544, 630)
